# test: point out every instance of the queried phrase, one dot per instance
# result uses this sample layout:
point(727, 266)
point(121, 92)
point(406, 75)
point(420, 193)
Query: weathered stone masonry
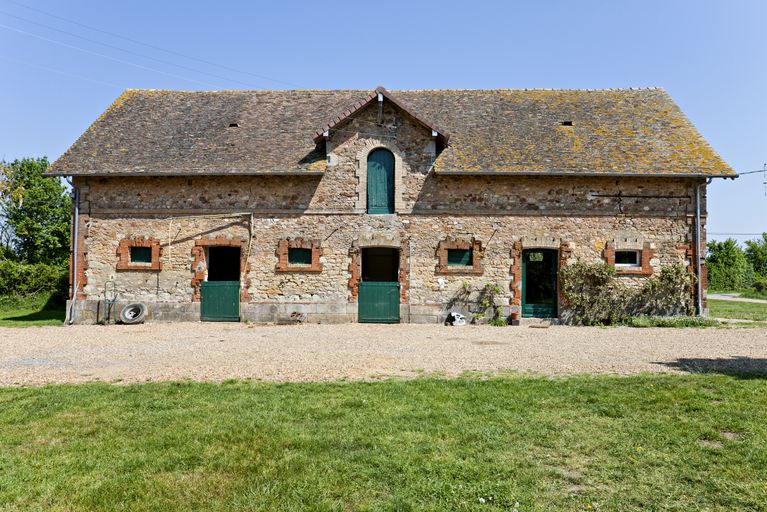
point(269, 292)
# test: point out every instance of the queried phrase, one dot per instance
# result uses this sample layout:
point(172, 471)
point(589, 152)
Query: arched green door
point(381, 181)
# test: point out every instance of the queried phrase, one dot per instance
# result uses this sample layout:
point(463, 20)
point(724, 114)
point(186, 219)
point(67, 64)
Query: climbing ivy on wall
point(482, 302)
point(595, 296)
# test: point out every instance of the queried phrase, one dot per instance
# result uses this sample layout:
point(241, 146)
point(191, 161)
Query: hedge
point(24, 279)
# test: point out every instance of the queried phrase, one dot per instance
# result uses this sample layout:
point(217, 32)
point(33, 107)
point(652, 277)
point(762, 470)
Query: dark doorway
point(223, 264)
point(378, 300)
point(220, 294)
point(539, 283)
point(380, 264)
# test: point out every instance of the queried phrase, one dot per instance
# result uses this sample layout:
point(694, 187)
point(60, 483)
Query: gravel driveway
point(216, 352)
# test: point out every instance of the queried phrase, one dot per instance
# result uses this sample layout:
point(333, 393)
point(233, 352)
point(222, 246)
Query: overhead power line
point(121, 61)
point(144, 56)
point(149, 45)
point(64, 73)
point(737, 234)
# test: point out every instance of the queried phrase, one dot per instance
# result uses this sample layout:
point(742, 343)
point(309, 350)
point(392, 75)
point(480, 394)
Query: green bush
point(24, 280)
point(754, 294)
point(592, 294)
point(668, 293)
point(595, 296)
point(756, 253)
point(727, 265)
point(760, 284)
point(669, 321)
point(480, 303)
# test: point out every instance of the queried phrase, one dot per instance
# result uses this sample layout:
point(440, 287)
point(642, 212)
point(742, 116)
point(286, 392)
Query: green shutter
point(459, 257)
point(141, 255)
point(380, 181)
point(298, 256)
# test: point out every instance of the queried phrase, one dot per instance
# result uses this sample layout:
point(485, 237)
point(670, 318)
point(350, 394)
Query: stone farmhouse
point(378, 206)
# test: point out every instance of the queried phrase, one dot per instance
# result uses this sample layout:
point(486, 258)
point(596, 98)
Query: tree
point(756, 252)
point(35, 212)
point(728, 268)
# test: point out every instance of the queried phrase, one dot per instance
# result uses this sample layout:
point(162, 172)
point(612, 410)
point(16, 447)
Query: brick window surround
point(199, 267)
point(283, 248)
point(451, 243)
point(644, 268)
point(123, 254)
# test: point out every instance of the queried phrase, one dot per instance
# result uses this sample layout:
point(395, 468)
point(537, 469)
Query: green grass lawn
point(30, 311)
point(733, 309)
point(613, 443)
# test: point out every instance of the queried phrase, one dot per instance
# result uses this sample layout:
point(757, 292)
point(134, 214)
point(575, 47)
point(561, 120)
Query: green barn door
point(220, 301)
point(378, 298)
point(381, 181)
point(539, 283)
point(379, 302)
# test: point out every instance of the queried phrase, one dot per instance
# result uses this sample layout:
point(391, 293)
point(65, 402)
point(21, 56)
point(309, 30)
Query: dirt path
point(216, 352)
point(735, 298)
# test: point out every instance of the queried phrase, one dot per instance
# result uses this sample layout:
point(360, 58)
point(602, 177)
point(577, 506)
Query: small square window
point(141, 255)
point(459, 257)
point(299, 256)
point(628, 258)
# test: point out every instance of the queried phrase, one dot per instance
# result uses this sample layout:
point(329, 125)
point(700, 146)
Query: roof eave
point(588, 174)
point(133, 174)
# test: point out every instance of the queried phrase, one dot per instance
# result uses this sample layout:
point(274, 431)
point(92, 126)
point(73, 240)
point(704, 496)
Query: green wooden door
point(381, 181)
point(539, 283)
point(220, 301)
point(378, 302)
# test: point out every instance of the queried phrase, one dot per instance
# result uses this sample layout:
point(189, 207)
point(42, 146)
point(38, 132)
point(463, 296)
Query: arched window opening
point(380, 181)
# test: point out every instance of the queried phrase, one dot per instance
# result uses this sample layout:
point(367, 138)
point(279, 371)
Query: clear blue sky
point(710, 55)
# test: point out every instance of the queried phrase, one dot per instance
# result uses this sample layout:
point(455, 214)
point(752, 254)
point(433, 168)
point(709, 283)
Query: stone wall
point(418, 235)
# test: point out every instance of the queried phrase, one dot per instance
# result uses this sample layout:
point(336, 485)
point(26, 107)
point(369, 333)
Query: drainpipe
point(697, 240)
point(75, 221)
point(409, 276)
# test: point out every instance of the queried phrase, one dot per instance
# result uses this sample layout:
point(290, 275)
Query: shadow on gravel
point(742, 367)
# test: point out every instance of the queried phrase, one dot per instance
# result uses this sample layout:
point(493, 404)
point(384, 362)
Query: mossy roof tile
point(616, 132)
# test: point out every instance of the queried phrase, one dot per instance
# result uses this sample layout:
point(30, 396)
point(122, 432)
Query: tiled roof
point(613, 132)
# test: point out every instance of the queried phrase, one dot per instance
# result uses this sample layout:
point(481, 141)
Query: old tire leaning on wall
point(133, 313)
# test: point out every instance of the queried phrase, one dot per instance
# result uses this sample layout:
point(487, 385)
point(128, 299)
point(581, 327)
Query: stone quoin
point(348, 205)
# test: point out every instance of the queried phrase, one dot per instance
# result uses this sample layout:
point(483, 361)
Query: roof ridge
point(519, 89)
point(497, 89)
